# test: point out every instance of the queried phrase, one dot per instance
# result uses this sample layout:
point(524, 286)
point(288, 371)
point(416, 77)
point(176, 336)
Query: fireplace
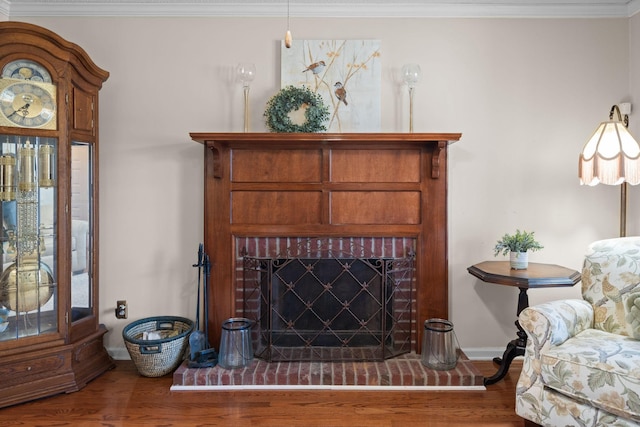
point(264, 189)
point(332, 299)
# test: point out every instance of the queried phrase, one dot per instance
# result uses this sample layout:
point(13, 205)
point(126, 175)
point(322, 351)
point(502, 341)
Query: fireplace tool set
point(236, 349)
point(201, 355)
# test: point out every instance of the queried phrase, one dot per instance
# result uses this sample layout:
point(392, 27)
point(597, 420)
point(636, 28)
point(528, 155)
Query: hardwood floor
point(123, 398)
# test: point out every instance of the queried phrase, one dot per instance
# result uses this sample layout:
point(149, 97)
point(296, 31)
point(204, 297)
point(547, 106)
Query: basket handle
point(165, 325)
point(151, 349)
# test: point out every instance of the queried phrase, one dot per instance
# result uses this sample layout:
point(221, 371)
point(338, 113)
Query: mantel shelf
point(298, 138)
point(251, 140)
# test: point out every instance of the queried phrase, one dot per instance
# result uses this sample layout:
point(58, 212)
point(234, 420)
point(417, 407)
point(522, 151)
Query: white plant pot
point(519, 260)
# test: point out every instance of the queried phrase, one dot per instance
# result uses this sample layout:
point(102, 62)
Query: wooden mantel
point(344, 140)
point(323, 185)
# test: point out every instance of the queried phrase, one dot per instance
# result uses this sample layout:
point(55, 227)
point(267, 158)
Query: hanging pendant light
point(287, 37)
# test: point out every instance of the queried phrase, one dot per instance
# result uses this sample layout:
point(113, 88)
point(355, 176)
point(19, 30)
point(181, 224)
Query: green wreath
point(289, 99)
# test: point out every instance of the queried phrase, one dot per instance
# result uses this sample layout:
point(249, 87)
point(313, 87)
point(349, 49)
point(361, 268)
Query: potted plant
point(518, 246)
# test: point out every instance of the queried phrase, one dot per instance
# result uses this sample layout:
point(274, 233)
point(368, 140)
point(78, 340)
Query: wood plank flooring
point(123, 398)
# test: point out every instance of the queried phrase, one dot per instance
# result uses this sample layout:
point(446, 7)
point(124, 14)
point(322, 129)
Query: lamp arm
point(623, 187)
point(624, 119)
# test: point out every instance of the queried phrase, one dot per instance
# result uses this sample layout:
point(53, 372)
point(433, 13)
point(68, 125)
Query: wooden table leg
point(515, 348)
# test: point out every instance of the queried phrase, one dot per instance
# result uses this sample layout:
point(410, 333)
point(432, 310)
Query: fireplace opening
point(328, 303)
point(342, 302)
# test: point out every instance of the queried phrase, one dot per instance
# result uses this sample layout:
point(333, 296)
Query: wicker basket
point(155, 358)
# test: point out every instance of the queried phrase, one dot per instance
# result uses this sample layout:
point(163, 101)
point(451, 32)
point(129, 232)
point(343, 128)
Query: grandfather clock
point(51, 340)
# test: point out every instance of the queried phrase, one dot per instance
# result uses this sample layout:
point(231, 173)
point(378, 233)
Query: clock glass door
point(28, 285)
point(82, 298)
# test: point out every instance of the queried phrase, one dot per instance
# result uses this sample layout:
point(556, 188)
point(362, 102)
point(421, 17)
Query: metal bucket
point(236, 348)
point(439, 345)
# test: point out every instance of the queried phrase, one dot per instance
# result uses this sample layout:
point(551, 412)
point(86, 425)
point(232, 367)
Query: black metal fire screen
point(322, 301)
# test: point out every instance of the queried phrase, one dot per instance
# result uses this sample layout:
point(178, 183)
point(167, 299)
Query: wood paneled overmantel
point(326, 185)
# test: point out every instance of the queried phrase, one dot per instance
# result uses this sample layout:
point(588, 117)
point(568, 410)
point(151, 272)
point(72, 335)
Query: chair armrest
point(547, 324)
point(556, 321)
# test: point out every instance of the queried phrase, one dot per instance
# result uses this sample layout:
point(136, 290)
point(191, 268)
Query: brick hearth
point(404, 371)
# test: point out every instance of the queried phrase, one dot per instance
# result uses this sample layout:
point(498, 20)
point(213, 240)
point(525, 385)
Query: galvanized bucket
point(236, 348)
point(439, 345)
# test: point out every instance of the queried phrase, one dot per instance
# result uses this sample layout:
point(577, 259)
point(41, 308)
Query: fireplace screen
point(323, 304)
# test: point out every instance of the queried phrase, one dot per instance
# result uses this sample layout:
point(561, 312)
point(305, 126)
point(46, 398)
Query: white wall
point(634, 119)
point(525, 93)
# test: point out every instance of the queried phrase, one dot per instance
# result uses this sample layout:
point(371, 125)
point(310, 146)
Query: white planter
point(519, 260)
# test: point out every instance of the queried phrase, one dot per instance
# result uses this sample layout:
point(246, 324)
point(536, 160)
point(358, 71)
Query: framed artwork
point(346, 73)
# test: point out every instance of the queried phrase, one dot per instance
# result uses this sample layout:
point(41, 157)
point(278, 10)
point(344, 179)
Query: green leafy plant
point(289, 99)
point(522, 241)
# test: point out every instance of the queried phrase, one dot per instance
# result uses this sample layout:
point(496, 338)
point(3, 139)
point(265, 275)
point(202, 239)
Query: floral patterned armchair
point(582, 361)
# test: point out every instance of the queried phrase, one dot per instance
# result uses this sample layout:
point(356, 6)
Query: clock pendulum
point(28, 283)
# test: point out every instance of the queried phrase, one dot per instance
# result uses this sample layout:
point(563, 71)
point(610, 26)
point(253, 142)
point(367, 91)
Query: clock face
point(29, 105)
point(24, 69)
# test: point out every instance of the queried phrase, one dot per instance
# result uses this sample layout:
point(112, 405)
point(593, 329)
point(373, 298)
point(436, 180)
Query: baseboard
point(483, 353)
point(118, 353)
point(473, 353)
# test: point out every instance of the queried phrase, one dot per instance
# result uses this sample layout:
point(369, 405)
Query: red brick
point(315, 373)
point(270, 374)
point(349, 373)
point(282, 372)
point(338, 373)
point(361, 374)
point(395, 377)
point(293, 374)
point(406, 374)
point(304, 376)
point(259, 370)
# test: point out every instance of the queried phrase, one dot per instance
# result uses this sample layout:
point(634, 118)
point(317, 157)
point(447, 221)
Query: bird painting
point(355, 64)
point(315, 68)
point(341, 92)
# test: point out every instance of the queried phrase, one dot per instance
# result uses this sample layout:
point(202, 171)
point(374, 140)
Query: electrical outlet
point(121, 309)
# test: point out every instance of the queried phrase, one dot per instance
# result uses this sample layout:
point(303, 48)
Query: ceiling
point(323, 8)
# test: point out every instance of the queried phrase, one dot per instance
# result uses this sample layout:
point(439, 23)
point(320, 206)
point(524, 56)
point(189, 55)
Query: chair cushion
point(598, 367)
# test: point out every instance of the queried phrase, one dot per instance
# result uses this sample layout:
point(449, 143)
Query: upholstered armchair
point(582, 361)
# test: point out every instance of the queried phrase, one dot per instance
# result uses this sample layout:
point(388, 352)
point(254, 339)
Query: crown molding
point(328, 8)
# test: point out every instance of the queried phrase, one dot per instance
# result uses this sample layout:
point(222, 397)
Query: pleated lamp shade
point(612, 156)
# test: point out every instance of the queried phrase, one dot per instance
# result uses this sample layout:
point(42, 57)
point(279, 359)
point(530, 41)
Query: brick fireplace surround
point(378, 185)
point(373, 319)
